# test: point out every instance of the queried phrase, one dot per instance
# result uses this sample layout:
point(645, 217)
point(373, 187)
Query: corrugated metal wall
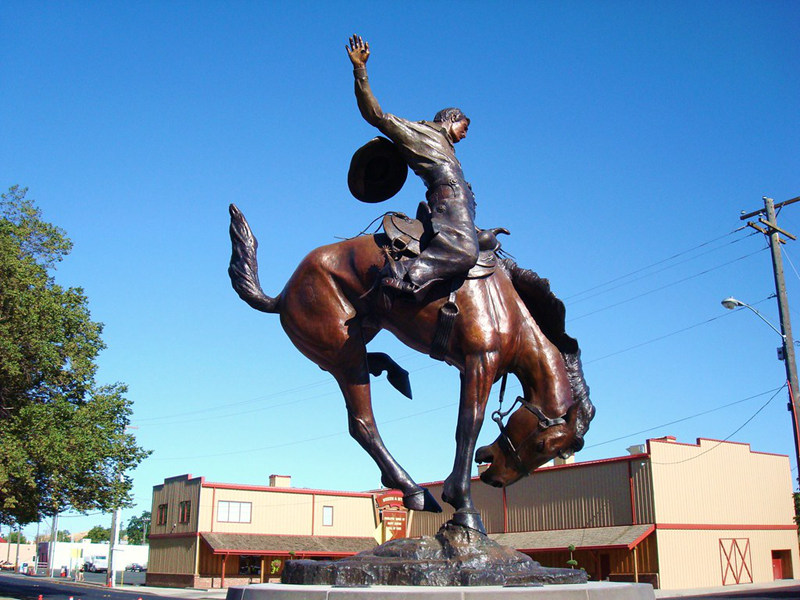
point(693, 558)
point(571, 498)
point(172, 555)
point(720, 483)
point(642, 475)
point(488, 500)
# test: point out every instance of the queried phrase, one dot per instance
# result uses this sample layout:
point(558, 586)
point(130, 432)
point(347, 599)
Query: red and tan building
point(218, 534)
point(671, 514)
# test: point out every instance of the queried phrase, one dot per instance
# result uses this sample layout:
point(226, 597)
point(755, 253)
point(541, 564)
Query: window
point(162, 514)
point(249, 565)
point(327, 516)
point(233, 512)
point(184, 511)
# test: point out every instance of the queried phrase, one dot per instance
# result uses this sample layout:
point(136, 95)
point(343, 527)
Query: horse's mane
point(550, 314)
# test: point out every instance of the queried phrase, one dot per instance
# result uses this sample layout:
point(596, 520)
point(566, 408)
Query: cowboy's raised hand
point(358, 51)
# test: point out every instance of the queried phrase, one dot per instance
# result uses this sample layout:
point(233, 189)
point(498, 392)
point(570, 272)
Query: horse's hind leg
point(354, 383)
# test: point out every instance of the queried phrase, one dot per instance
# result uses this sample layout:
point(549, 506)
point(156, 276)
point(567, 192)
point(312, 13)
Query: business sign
point(394, 515)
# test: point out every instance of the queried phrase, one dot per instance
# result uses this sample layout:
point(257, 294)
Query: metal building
point(671, 514)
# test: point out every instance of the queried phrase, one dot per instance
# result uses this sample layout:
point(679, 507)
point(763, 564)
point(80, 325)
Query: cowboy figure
point(428, 149)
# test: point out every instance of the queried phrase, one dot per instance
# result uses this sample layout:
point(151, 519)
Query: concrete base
point(583, 591)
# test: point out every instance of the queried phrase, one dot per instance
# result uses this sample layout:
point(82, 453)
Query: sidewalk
point(187, 593)
point(743, 587)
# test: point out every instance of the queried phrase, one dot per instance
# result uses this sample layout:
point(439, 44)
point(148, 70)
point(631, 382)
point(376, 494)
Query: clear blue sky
point(608, 136)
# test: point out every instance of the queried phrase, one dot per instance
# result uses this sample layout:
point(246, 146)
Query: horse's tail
point(243, 269)
point(550, 314)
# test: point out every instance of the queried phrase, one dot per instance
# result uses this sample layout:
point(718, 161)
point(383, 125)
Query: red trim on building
point(299, 535)
point(587, 463)
point(288, 490)
point(697, 444)
point(633, 493)
point(639, 540)
point(630, 546)
point(695, 526)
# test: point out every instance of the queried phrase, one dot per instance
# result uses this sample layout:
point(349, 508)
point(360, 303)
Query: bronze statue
point(487, 317)
point(428, 148)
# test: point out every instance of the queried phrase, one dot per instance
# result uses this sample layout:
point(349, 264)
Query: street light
point(730, 303)
point(786, 354)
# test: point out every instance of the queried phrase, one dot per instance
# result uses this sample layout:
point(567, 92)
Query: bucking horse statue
point(500, 319)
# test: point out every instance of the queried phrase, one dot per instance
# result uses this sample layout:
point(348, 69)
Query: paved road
point(29, 588)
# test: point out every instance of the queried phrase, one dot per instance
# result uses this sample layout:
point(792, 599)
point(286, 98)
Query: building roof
point(624, 536)
point(248, 543)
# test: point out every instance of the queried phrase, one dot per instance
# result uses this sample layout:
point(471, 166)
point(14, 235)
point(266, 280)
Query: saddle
point(408, 237)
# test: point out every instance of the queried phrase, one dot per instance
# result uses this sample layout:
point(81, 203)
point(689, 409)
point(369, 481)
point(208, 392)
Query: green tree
point(48, 393)
point(12, 538)
point(99, 533)
point(64, 536)
point(138, 528)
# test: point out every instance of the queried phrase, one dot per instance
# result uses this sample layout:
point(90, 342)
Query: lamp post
point(786, 354)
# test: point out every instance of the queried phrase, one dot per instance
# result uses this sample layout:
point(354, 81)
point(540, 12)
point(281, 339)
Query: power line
point(663, 287)
point(645, 276)
point(666, 335)
point(700, 414)
point(639, 270)
point(717, 445)
point(305, 440)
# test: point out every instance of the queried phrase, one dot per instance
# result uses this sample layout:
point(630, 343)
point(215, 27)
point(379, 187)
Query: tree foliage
point(64, 440)
point(14, 536)
point(138, 528)
point(98, 533)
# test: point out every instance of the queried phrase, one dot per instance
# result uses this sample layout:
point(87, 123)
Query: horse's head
point(526, 442)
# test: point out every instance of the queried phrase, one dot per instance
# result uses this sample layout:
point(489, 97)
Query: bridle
point(497, 416)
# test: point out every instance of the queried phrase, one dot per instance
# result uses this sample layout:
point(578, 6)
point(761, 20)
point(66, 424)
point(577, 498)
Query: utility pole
point(769, 227)
point(51, 554)
point(114, 549)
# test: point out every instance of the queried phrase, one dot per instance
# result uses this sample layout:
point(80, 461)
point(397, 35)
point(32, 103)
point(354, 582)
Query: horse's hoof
point(421, 500)
point(468, 518)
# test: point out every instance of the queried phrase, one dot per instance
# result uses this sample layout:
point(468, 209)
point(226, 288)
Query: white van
point(96, 564)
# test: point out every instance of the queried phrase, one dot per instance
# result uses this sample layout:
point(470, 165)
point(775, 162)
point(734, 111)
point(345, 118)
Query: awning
point(624, 536)
point(238, 543)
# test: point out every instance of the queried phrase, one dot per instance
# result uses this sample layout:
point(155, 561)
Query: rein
point(499, 415)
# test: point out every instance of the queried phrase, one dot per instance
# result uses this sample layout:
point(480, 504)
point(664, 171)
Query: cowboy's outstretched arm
point(358, 51)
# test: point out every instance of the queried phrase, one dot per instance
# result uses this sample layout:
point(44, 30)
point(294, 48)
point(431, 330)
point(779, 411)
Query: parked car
point(136, 567)
point(6, 565)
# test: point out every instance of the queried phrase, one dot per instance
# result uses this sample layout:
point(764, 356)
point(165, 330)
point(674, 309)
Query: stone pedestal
point(580, 591)
point(456, 556)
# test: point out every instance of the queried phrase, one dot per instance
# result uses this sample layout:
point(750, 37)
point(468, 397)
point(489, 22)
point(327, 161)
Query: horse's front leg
point(476, 383)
